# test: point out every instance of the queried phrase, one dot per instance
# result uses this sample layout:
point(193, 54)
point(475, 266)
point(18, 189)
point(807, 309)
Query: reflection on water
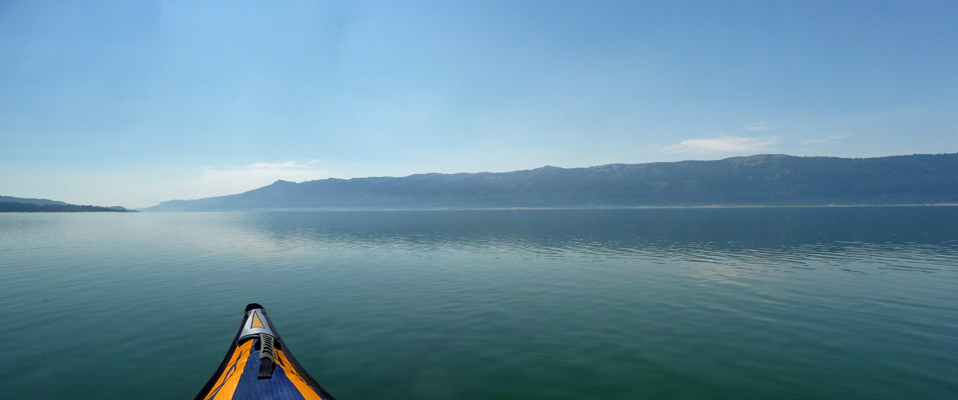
point(670, 303)
point(890, 238)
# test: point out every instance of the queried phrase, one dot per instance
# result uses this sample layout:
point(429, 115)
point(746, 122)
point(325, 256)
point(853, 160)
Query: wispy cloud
point(826, 139)
point(723, 144)
point(229, 180)
point(762, 126)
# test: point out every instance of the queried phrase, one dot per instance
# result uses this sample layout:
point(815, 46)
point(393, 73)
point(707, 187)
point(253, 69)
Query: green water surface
point(783, 303)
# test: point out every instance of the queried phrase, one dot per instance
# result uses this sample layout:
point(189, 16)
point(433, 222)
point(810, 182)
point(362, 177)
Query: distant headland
point(760, 180)
point(17, 204)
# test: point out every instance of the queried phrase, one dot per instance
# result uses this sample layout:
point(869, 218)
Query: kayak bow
point(259, 366)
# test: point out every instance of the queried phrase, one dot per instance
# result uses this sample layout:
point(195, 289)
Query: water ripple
point(759, 303)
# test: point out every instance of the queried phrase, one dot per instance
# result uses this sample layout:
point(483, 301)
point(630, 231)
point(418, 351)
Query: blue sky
point(132, 103)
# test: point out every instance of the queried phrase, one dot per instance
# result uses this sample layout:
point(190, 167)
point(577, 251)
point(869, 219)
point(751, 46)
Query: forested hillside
point(755, 180)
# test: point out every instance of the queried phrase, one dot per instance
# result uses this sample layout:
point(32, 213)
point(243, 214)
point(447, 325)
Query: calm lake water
point(825, 303)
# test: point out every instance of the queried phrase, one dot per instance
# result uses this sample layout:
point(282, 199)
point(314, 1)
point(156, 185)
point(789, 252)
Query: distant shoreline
point(559, 208)
point(25, 207)
point(63, 212)
point(768, 180)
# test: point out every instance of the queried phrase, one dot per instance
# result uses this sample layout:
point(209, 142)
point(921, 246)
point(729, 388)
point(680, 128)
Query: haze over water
point(826, 303)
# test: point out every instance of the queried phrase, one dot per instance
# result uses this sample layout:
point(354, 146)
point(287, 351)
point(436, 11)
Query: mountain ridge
point(11, 199)
point(20, 204)
point(766, 179)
